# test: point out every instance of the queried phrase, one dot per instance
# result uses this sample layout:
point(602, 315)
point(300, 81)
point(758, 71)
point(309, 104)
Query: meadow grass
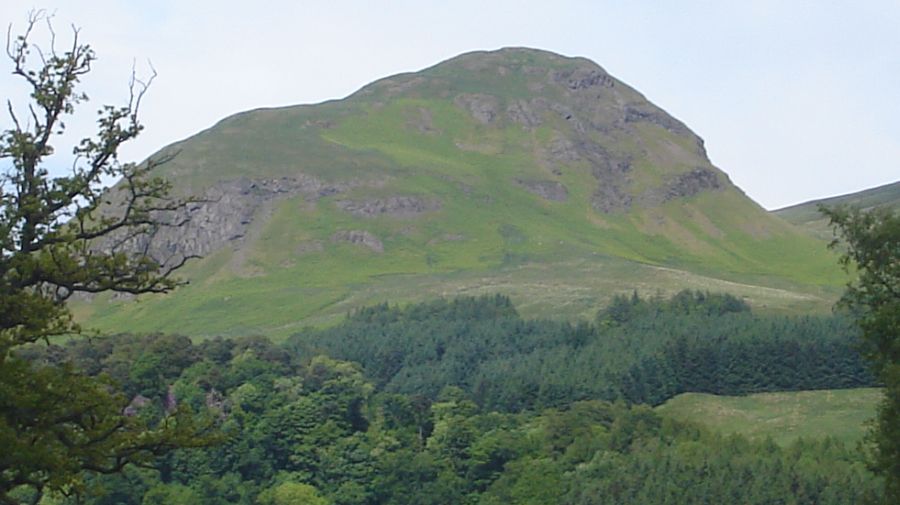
point(783, 417)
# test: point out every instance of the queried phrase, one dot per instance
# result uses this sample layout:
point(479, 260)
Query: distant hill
point(517, 171)
point(807, 215)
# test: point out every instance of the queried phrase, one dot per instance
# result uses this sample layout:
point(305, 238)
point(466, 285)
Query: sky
point(796, 100)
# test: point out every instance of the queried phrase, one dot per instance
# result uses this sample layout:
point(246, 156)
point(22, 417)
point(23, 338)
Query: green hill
point(784, 417)
point(807, 216)
point(516, 171)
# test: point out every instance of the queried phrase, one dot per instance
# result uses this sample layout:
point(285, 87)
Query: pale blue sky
point(795, 99)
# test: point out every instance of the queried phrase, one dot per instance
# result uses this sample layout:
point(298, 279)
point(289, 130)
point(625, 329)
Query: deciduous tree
point(871, 244)
point(67, 234)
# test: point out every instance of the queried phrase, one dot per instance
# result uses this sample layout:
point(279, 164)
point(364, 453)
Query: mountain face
point(517, 171)
point(807, 216)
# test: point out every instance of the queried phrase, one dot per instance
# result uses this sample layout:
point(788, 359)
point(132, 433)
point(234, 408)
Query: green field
point(783, 417)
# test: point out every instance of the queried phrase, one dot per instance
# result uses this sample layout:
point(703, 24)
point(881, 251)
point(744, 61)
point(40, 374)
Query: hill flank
point(807, 216)
point(517, 171)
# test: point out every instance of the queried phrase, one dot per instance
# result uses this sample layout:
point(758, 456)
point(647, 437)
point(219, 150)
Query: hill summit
point(517, 171)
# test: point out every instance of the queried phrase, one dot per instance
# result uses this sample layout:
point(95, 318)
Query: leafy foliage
point(872, 241)
point(60, 236)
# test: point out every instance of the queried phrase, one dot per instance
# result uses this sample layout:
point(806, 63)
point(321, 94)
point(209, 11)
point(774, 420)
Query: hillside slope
point(807, 216)
point(517, 171)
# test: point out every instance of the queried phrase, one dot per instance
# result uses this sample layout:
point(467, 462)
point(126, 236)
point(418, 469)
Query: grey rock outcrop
point(584, 77)
point(693, 182)
point(682, 186)
point(649, 113)
point(610, 198)
point(230, 207)
point(526, 112)
point(222, 215)
point(359, 237)
point(548, 190)
point(484, 108)
point(393, 206)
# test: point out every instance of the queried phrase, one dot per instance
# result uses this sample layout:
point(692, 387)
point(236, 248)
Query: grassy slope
point(807, 216)
point(784, 417)
point(557, 259)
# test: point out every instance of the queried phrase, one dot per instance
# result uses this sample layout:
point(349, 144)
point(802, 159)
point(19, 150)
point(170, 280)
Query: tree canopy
point(307, 428)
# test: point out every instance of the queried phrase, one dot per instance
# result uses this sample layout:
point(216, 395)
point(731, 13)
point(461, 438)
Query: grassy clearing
point(783, 417)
